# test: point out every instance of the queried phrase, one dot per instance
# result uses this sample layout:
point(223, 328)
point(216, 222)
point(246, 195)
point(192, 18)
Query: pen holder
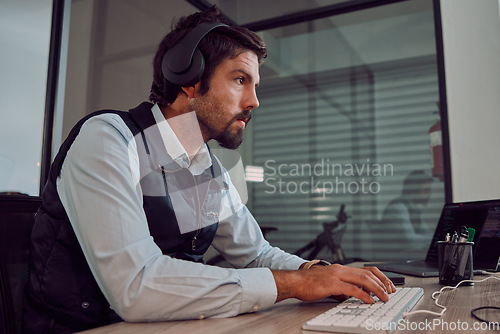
point(455, 262)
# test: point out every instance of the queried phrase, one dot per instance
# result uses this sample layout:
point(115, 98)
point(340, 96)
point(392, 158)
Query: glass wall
point(243, 12)
point(347, 107)
point(24, 41)
point(110, 53)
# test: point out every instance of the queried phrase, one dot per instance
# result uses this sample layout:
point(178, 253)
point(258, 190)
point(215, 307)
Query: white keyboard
point(354, 316)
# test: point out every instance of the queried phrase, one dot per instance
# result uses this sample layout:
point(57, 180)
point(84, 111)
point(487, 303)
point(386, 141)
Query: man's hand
point(334, 280)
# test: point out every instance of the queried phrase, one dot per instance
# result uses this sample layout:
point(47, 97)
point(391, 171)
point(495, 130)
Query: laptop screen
point(484, 217)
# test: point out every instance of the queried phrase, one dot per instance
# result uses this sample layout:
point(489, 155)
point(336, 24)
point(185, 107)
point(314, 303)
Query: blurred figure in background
point(403, 234)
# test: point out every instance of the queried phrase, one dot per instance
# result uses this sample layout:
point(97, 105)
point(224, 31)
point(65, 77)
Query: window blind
point(343, 137)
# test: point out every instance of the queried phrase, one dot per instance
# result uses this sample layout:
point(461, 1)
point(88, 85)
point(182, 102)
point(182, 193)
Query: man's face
point(425, 193)
point(225, 110)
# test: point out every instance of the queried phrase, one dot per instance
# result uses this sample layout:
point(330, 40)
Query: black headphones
point(184, 63)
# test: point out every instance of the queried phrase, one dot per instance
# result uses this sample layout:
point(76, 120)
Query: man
point(135, 199)
point(403, 234)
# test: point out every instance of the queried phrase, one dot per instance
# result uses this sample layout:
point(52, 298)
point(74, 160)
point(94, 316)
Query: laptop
point(483, 216)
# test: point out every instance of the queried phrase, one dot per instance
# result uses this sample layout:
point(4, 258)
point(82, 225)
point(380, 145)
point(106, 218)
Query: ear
point(190, 91)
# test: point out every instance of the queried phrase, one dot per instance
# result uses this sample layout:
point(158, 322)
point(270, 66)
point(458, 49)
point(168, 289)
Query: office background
point(348, 86)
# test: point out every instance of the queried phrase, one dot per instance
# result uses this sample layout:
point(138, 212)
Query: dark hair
point(218, 45)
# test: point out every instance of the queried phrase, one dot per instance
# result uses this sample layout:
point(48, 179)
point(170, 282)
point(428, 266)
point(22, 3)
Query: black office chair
point(17, 214)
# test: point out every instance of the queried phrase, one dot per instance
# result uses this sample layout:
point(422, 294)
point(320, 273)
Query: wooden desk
point(287, 317)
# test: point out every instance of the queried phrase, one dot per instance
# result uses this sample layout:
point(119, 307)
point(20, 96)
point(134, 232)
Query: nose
point(251, 102)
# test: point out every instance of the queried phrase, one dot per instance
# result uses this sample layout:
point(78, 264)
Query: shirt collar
point(200, 162)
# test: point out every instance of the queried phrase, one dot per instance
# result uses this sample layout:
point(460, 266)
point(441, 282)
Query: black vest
point(62, 294)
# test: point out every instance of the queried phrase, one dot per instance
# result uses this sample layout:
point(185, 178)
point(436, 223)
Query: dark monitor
point(484, 217)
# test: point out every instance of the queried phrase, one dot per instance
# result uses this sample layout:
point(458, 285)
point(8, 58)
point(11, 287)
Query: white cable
point(438, 293)
point(484, 272)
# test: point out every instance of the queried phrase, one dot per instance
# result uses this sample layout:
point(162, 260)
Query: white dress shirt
point(100, 191)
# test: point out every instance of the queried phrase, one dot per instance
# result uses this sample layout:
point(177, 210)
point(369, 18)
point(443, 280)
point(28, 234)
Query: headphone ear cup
point(188, 77)
point(184, 63)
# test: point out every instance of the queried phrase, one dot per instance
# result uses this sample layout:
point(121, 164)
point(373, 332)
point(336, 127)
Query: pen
point(453, 258)
point(464, 234)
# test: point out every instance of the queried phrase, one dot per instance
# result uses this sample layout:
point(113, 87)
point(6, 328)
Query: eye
point(240, 80)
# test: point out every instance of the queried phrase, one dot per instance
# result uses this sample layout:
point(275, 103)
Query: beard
point(230, 140)
point(210, 114)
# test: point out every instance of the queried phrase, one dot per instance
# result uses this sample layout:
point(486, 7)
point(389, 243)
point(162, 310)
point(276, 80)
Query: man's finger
point(355, 291)
point(372, 283)
point(384, 279)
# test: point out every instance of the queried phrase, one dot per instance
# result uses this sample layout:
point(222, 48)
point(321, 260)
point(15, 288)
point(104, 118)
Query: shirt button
point(201, 317)
point(85, 304)
point(256, 308)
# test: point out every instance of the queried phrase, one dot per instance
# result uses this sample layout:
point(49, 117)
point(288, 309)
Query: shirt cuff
point(294, 263)
point(258, 289)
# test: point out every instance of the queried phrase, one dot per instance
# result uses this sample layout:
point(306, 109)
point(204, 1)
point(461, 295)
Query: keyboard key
point(351, 316)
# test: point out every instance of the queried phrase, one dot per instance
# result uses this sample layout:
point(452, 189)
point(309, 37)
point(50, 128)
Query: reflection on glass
point(346, 104)
point(401, 232)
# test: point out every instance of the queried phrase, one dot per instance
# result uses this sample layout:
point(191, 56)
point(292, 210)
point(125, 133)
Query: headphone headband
point(183, 64)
